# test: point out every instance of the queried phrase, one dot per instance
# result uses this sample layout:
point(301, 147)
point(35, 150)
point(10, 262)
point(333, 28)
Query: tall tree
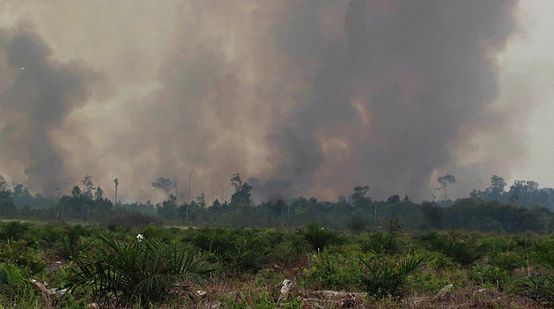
point(236, 181)
point(497, 187)
point(76, 191)
point(116, 184)
point(7, 207)
point(88, 186)
point(445, 181)
point(168, 208)
point(201, 200)
point(3, 184)
point(497, 183)
point(164, 184)
point(242, 191)
point(99, 194)
point(524, 192)
point(359, 195)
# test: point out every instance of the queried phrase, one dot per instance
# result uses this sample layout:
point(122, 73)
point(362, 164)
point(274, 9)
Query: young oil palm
point(386, 276)
point(138, 272)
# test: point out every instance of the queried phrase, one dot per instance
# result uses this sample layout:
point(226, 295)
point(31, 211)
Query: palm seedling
point(539, 286)
point(384, 276)
point(139, 272)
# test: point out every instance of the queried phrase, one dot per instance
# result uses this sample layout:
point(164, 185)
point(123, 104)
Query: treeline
point(491, 210)
point(522, 193)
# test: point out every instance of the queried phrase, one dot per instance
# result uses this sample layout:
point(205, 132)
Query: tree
point(445, 181)
point(3, 185)
point(116, 184)
point(88, 186)
point(242, 191)
point(393, 199)
point(359, 195)
point(7, 207)
point(356, 224)
point(495, 191)
point(201, 200)
point(216, 204)
point(169, 209)
point(433, 214)
point(99, 194)
point(236, 181)
point(22, 197)
point(497, 184)
point(524, 192)
point(76, 191)
point(164, 184)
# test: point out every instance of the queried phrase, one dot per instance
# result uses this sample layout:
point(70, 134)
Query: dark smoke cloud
point(394, 95)
point(36, 96)
point(306, 97)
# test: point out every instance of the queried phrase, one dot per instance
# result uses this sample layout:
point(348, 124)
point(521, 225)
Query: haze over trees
point(366, 84)
point(524, 206)
point(524, 193)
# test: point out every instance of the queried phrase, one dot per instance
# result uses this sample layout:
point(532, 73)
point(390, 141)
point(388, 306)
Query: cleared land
point(167, 267)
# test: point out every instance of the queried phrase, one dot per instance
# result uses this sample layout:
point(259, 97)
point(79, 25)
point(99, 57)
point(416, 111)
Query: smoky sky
point(36, 96)
point(306, 97)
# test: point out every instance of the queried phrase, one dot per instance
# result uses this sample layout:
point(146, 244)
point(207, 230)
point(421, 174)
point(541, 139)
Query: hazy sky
point(530, 57)
point(306, 97)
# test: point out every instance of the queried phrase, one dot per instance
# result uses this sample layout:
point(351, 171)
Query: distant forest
point(521, 207)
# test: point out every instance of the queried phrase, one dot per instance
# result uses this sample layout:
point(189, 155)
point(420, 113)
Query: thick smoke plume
point(391, 99)
point(36, 95)
point(308, 97)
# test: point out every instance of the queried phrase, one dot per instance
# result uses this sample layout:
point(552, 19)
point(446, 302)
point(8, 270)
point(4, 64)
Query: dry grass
point(246, 292)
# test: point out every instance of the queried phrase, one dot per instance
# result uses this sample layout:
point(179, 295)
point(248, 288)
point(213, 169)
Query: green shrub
point(152, 231)
point(247, 250)
point(71, 242)
point(63, 241)
point(508, 260)
point(14, 284)
point(386, 276)
point(11, 276)
point(437, 260)
point(319, 238)
point(544, 256)
point(385, 243)
point(13, 230)
point(462, 251)
point(129, 218)
point(290, 249)
point(22, 255)
point(137, 272)
point(538, 287)
point(333, 270)
point(429, 281)
point(487, 274)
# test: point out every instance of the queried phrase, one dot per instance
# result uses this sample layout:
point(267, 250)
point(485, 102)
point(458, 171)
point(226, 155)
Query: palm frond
point(138, 272)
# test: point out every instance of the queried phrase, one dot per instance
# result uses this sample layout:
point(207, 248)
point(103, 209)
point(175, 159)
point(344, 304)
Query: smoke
point(392, 98)
point(307, 97)
point(36, 96)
